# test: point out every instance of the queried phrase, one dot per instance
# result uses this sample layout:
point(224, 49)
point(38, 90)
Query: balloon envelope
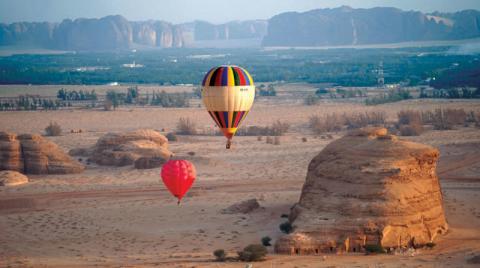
point(228, 93)
point(178, 176)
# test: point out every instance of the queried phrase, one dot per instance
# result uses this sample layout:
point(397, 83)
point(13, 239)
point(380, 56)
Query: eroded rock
point(12, 178)
point(34, 154)
point(367, 188)
point(122, 149)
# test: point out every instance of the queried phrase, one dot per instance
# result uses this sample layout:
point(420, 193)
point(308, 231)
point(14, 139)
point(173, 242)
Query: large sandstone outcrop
point(12, 178)
point(33, 154)
point(367, 188)
point(122, 149)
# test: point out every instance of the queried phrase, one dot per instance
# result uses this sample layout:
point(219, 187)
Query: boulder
point(122, 149)
point(244, 207)
point(12, 178)
point(367, 188)
point(34, 154)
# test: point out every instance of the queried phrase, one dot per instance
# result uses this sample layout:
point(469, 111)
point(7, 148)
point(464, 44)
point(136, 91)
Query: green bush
point(253, 252)
point(171, 136)
point(53, 129)
point(220, 255)
point(266, 241)
point(286, 227)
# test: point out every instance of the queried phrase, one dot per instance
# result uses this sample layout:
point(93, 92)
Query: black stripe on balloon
point(214, 77)
point(235, 77)
point(217, 115)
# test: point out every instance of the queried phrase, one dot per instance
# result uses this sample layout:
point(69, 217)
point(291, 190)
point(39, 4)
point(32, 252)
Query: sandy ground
point(122, 217)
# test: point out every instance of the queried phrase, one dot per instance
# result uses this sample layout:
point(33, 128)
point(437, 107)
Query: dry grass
point(186, 126)
point(278, 128)
point(336, 122)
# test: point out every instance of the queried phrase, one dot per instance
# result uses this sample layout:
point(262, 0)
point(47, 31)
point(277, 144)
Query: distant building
point(132, 65)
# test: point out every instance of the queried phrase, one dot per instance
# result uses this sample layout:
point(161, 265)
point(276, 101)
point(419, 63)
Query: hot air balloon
point(228, 93)
point(178, 176)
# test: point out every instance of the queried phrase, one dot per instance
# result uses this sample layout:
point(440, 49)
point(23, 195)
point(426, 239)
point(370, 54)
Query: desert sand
point(124, 217)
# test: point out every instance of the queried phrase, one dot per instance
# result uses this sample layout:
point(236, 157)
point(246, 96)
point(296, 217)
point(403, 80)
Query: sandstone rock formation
point(12, 178)
point(367, 188)
point(122, 149)
point(33, 154)
point(149, 162)
point(244, 207)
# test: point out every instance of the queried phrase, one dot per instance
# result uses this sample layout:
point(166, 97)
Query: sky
point(215, 11)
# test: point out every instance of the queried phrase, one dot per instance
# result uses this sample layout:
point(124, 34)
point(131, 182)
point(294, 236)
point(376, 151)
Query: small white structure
point(132, 65)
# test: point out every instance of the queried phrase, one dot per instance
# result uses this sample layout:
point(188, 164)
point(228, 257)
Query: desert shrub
point(115, 98)
point(474, 260)
point(286, 227)
point(191, 153)
point(407, 117)
point(413, 129)
point(327, 123)
point(359, 120)
point(445, 119)
point(269, 92)
point(269, 140)
point(310, 100)
point(375, 249)
point(253, 252)
point(276, 140)
point(259, 138)
point(266, 241)
point(304, 139)
point(186, 126)
point(430, 245)
point(220, 255)
point(279, 128)
point(165, 99)
point(53, 129)
point(171, 136)
point(107, 105)
point(392, 96)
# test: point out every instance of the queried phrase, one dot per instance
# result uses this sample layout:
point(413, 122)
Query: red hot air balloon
point(178, 176)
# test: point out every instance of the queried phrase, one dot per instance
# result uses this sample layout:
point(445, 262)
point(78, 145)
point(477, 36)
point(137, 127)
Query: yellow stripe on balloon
point(231, 79)
point(207, 82)
point(249, 77)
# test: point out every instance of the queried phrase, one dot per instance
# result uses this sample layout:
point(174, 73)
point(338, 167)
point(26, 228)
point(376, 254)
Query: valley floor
point(123, 217)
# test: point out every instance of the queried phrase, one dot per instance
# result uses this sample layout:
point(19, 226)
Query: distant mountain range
point(320, 27)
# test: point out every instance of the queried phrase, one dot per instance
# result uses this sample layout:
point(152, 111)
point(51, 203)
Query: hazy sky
point(187, 10)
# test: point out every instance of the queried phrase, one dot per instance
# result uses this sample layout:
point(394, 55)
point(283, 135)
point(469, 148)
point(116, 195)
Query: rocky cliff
point(115, 32)
point(348, 26)
point(367, 188)
point(320, 27)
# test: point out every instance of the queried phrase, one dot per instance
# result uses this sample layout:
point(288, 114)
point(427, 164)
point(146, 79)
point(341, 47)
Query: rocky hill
point(115, 32)
point(320, 27)
point(367, 188)
point(348, 26)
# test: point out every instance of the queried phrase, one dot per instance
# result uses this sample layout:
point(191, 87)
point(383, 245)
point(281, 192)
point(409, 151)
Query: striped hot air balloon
point(228, 93)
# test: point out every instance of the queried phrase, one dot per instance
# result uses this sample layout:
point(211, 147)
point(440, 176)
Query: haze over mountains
point(320, 27)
